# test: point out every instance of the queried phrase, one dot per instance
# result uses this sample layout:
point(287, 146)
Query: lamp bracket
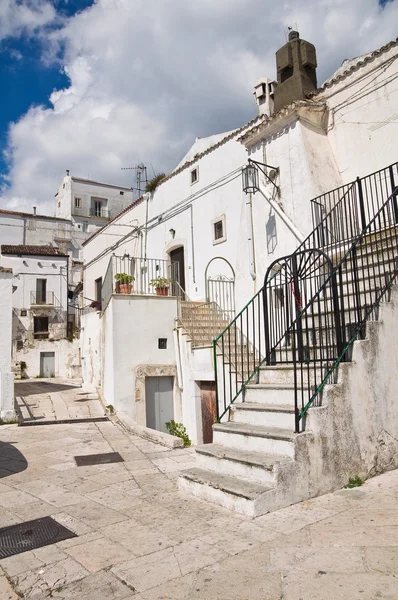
point(259, 165)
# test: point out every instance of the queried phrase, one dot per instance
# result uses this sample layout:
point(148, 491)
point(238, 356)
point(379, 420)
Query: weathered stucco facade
point(311, 145)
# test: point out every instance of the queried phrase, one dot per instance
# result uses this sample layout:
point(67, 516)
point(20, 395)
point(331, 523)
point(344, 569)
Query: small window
point(19, 344)
point(219, 233)
point(279, 297)
point(162, 343)
point(194, 175)
point(78, 202)
point(59, 204)
point(24, 312)
point(218, 230)
point(40, 328)
point(98, 289)
point(85, 226)
point(121, 193)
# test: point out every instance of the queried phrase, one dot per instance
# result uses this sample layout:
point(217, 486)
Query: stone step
point(230, 492)
point(250, 466)
point(268, 415)
point(284, 374)
point(270, 393)
point(255, 438)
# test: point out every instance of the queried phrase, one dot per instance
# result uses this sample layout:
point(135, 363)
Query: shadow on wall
point(11, 460)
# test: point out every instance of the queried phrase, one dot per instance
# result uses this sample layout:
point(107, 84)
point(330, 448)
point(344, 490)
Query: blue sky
point(25, 79)
point(139, 80)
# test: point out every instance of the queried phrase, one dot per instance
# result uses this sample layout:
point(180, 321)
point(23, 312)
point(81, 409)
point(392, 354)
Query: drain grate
point(98, 459)
point(30, 535)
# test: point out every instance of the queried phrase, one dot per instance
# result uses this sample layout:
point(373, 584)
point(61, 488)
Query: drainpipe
point(178, 357)
point(283, 216)
point(250, 235)
point(193, 247)
point(146, 225)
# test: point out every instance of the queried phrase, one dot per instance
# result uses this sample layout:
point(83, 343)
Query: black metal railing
point(43, 299)
point(325, 328)
point(262, 333)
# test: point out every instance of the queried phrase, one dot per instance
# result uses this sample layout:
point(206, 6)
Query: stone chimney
point(296, 71)
point(264, 95)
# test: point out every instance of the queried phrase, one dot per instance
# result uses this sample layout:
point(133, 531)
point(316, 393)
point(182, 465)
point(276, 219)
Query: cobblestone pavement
point(140, 538)
point(55, 400)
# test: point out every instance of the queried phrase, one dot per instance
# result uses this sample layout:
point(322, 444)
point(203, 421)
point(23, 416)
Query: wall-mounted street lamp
point(250, 180)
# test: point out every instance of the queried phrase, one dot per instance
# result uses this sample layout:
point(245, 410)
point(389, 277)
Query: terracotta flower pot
point(162, 291)
point(124, 288)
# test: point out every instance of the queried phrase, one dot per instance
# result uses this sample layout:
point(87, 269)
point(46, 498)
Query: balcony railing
point(126, 275)
point(52, 334)
point(43, 299)
point(100, 213)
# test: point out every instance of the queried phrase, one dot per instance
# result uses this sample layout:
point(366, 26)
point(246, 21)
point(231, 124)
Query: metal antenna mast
point(141, 177)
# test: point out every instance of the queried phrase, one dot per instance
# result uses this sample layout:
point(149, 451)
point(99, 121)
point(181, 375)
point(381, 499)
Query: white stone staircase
point(239, 469)
point(257, 463)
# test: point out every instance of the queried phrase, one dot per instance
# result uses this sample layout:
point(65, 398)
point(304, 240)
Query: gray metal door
point(159, 402)
point(47, 364)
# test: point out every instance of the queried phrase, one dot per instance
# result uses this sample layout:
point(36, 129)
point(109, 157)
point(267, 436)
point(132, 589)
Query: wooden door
point(177, 255)
point(209, 409)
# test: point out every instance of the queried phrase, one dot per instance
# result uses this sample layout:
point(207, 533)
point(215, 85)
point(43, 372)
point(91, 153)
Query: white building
point(7, 411)
point(40, 310)
point(222, 239)
point(89, 205)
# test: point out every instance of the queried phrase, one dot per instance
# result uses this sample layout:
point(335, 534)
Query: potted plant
point(124, 283)
point(161, 284)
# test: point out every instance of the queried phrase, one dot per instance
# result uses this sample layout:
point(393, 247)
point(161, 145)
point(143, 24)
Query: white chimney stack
point(264, 95)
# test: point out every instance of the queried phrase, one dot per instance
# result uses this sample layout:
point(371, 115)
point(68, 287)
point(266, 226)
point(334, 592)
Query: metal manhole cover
point(30, 535)
point(98, 459)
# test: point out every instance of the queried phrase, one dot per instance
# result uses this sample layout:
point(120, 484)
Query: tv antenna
point(141, 177)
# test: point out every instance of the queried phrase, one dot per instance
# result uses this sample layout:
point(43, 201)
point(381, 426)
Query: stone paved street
point(55, 400)
point(139, 537)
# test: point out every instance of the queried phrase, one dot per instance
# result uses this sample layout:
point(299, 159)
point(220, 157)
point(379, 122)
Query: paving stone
point(339, 586)
point(15, 498)
point(221, 583)
point(97, 586)
point(196, 554)
point(20, 563)
point(98, 554)
point(313, 560)
point(382, 559)
point(94, 514)
point(6, 591)
point(40, 581)
point(149, 571)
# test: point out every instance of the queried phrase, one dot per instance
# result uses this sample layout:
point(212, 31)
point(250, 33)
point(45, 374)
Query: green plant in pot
point(124, 283)
point(161, 285)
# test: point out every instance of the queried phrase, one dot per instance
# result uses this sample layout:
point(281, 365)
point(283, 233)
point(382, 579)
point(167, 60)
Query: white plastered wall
point(7, 410)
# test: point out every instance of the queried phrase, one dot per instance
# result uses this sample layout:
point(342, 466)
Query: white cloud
point(147, 77)
point(25, 16)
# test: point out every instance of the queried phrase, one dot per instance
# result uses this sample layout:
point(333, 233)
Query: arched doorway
point(220, 285)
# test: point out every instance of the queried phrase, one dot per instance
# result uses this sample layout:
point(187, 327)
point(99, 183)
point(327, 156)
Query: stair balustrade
point(315, 302)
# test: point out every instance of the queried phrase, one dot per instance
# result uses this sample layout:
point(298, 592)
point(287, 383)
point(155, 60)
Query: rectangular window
point(85, 227)
point(121, 193)
point(98, 289)
point(40, 328)
point(78, 202)
point(41, 291)
point(219, 231)
point(162, 343)
point(194, 175)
